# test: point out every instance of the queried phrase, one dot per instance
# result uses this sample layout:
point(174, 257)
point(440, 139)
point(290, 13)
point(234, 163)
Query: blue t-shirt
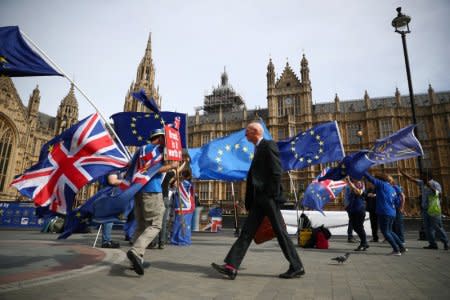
point(386, 196)
point(155, 183)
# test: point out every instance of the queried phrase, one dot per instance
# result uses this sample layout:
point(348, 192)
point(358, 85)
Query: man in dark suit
point(262, 198)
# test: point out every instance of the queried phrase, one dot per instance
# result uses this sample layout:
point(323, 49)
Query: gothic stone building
point(23, 131)
point(290, 109)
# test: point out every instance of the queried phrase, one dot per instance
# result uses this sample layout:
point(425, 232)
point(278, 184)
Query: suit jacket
point(264, 176)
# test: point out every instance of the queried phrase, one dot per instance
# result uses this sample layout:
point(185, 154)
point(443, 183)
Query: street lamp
point(401, 25)
point(360, 133)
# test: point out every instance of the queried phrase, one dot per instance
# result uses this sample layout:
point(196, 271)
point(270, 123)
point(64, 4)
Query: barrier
point(19, 215)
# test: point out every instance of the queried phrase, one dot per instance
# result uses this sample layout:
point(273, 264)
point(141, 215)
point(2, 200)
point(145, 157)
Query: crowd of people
point(385, 201)
point(165, 192)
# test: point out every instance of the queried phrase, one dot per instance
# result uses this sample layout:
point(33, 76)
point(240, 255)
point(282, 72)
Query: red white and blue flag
point(110, 202)
point(69, 161)
point(185, 197)
point(319, 193)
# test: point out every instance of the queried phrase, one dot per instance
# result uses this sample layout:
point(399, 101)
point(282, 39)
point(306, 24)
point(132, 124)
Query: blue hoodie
point(386, 196)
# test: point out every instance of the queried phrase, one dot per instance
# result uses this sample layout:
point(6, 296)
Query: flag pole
point(79, 89)
point(236, 224)
point(296, 200)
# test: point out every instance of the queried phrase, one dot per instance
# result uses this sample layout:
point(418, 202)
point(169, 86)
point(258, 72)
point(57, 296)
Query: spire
point(304, 70)
point(367, 101)
point(270, 75)
point(145, 79)
point(224, 77)
point(398, 97)
point(148, 50)
point(336, 103)
point(432, 95)
point(67, 112)
point(33, 104)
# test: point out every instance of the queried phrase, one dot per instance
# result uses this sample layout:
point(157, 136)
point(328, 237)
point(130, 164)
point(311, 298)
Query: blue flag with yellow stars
point(400, 145)
point(148, 102)
point(317, 145)
point(17, 59)
point(227, 158)
point(134, 128)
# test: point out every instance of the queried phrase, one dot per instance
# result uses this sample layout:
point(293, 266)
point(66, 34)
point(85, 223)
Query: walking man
point(149, 207)
point(262, 198)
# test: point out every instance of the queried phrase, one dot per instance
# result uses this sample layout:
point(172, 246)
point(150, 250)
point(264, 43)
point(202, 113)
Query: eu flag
point(227, 158)
point(148, 102)
point(353, 165)
point(17, 59)
point(400, 145)
point(134, 128)
point(319, 144)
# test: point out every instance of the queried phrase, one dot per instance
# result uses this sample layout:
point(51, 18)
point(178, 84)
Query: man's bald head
point(254, 132)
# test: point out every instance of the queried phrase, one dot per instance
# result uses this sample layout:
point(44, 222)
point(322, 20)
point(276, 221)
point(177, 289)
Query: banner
point(173, 143)
point(19, 214)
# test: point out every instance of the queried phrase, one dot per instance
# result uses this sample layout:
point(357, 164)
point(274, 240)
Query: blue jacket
point(353, 203)
point(386, 196)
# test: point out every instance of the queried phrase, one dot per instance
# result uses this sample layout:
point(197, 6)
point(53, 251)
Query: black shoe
point(445, 246)
point(362, 248)
point(161, 246)
point(137, 262)
point(111, 244)
point(292, 273)
point(430, 247)
point(351, 240)
point(222, 269)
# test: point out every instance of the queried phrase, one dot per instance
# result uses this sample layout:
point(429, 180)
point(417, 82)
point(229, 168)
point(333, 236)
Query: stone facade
point(23, 131)
point(290, 109)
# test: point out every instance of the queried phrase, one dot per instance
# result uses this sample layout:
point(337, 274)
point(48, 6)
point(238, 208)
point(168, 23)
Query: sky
point(351, 47)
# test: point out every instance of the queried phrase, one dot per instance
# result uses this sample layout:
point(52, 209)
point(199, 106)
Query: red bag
point(265, 232)
point(321, 241)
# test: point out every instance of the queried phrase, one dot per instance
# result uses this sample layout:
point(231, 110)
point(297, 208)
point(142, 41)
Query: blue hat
point(156, 132)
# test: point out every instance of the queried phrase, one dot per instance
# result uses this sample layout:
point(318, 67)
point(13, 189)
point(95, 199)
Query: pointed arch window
point(6, 144)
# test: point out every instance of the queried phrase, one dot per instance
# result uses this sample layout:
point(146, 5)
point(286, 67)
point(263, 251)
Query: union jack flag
point(186, 196)
point(69, 161)
point(319, 193)
point(333, 187)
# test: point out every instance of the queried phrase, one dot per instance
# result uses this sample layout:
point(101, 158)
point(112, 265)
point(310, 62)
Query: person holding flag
point(148, 203)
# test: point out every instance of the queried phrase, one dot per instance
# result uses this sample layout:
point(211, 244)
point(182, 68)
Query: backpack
point(434, 207)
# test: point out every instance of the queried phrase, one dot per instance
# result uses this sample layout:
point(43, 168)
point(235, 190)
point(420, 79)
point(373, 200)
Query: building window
point(352, 134)
point(205, 139)
point(385, 128)
point(280, 108)
point(229, 192)
point(203, 191)
point(6, 142)
point(297, 106)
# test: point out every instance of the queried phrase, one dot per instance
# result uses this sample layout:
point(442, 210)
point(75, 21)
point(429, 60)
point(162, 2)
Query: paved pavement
point(34, 265)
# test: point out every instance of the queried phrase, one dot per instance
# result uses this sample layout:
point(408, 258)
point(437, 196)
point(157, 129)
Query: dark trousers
point(374, 225)
point(269, 208)
point(357, 222)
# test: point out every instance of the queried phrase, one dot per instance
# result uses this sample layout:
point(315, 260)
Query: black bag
point(305, 222)
point(326, 232)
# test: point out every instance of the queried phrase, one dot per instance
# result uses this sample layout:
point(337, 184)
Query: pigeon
point(341, 259)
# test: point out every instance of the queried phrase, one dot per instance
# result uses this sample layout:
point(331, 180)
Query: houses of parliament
point(290, 109)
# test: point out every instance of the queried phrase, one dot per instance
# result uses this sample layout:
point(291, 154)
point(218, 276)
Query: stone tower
point(289, 100)
point(145, 79)
point(67, 112)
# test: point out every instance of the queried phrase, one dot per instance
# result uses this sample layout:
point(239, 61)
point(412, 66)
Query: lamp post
point(360, 133)
point(401, 25)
